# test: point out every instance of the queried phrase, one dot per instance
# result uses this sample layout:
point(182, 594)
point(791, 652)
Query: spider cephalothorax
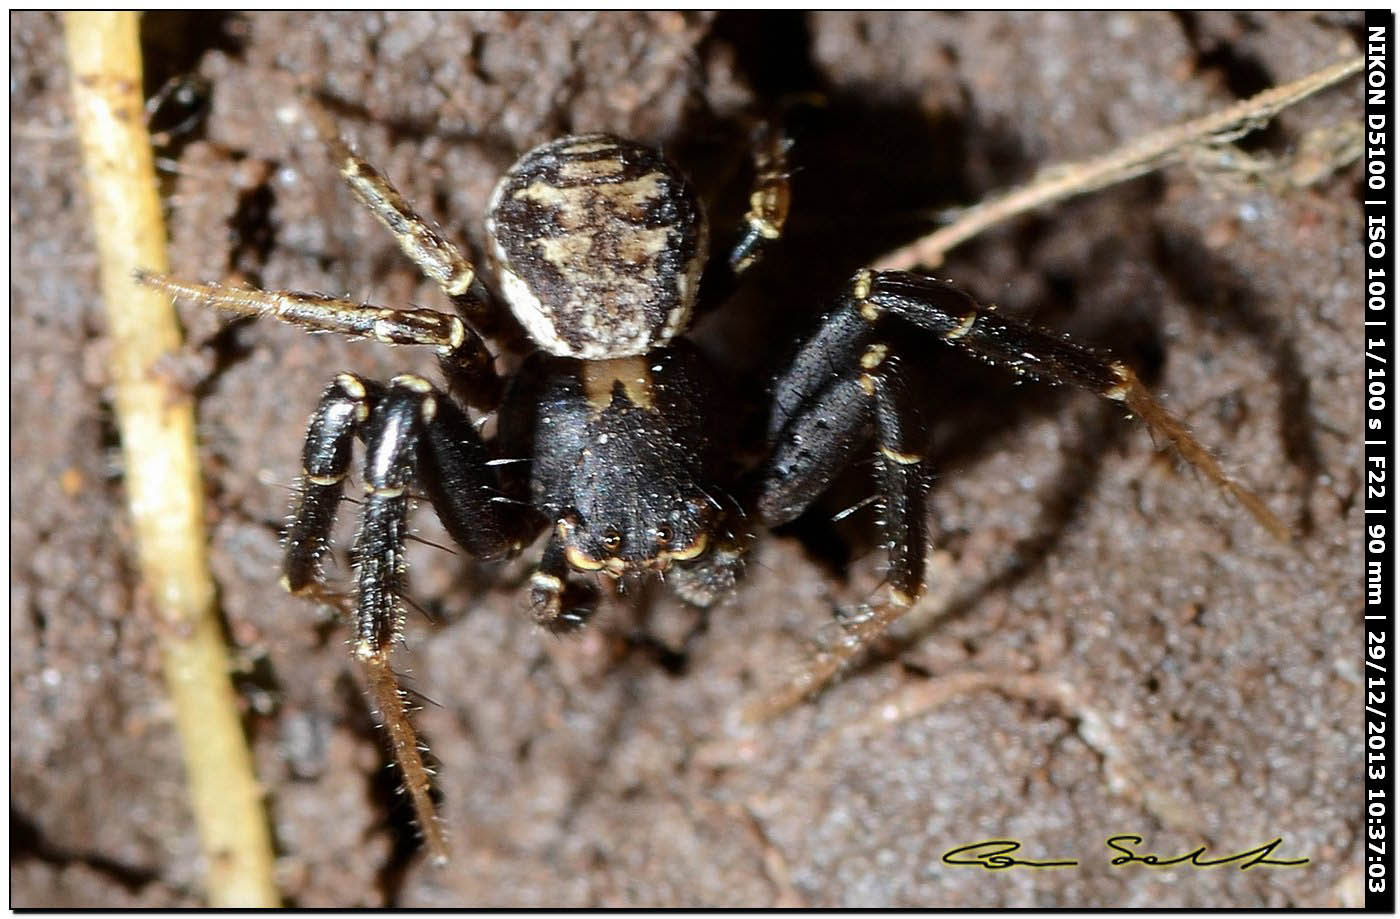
point(616, 438)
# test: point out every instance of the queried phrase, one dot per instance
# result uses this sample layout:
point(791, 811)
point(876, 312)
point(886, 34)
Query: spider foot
point(859, 628)
point(389, 701)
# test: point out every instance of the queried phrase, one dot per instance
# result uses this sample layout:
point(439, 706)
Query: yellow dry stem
point(1137, 157)
point(156, 420)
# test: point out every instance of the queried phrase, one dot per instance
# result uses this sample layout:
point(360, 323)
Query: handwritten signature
point(996, 855)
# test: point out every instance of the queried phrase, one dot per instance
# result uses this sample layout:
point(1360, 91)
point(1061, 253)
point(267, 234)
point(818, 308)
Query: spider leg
point(951, 314)
point(769, 198)
point(389, 421)
point(558, 602)
point(762, 224)
point(844, 381)
point(344, 408)
point(414, 435)
point(420, 239)
point(465, 360)
point(843, 384)
point(456, 475)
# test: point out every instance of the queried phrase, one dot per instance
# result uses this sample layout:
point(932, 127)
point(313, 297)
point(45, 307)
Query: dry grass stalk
point(1137, 157)
point(163, 485)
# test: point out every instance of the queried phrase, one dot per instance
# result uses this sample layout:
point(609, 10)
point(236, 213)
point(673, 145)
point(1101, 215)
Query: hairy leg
point(844, 383)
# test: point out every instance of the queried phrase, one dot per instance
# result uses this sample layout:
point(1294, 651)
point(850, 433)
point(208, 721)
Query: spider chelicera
point(610, 436)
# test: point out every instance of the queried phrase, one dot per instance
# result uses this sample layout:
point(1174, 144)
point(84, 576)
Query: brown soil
point(1151, 661)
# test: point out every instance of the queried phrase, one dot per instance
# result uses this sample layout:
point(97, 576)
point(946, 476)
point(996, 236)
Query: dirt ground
point(1110, 646)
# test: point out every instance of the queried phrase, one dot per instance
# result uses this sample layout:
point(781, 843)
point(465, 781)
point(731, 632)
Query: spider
point(616, 436)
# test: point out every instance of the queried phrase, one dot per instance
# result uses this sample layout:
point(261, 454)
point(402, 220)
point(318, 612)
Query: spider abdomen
point(599, 243)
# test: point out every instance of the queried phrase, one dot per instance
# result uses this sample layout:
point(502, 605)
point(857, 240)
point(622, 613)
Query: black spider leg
point(414, 435)
point(769, 197)
point(762, 224)
point(458, 476)
point(843, 385)
point(389, 421)
point(345, 407)
point(951, 314)
point(818, 420)
point(391, 436)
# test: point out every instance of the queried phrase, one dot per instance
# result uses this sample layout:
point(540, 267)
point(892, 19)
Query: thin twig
point(1138, 156)
point(156, 420)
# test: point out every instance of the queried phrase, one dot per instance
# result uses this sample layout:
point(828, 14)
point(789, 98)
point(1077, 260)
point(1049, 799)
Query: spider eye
point(612, 539)
point(664, 535)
